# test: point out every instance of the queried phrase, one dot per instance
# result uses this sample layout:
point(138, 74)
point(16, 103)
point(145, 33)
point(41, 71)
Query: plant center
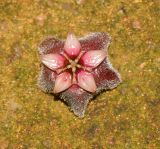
point(73, 65)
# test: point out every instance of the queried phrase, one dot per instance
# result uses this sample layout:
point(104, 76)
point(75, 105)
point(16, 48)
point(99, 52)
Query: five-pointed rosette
point(77, 69)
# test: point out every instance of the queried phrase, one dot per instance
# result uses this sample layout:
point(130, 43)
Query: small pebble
point(137, 1)
point(142, 65)
point(3, 143)
point(47, 143)
point(80, 1)
point(12, 105)
point(67, 6)
point(41, 19)
point(158, 60)
point(136, 25)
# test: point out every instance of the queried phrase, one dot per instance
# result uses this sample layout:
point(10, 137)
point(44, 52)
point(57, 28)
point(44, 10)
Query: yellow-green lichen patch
point(126, 117)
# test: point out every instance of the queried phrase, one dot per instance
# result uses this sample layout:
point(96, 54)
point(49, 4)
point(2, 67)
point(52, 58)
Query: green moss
point(126, 117)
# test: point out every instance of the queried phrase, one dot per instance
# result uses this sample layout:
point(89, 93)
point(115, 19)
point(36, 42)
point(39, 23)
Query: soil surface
point(127, 117)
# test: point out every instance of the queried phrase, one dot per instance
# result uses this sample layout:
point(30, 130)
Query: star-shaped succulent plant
point(77, 69)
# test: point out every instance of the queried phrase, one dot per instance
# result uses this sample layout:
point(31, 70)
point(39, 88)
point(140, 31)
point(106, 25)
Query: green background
point(126, 117)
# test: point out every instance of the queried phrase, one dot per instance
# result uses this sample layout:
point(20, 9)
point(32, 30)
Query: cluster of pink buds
point(77, 69)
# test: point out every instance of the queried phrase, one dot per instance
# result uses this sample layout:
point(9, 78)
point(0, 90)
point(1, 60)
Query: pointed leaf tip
point(86, 81)
point(93, 58)
point(53, 61)
point(72, 45)
point(63, 82)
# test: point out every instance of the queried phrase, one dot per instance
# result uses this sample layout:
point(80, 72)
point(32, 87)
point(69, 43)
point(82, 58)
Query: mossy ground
point(126, 117)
